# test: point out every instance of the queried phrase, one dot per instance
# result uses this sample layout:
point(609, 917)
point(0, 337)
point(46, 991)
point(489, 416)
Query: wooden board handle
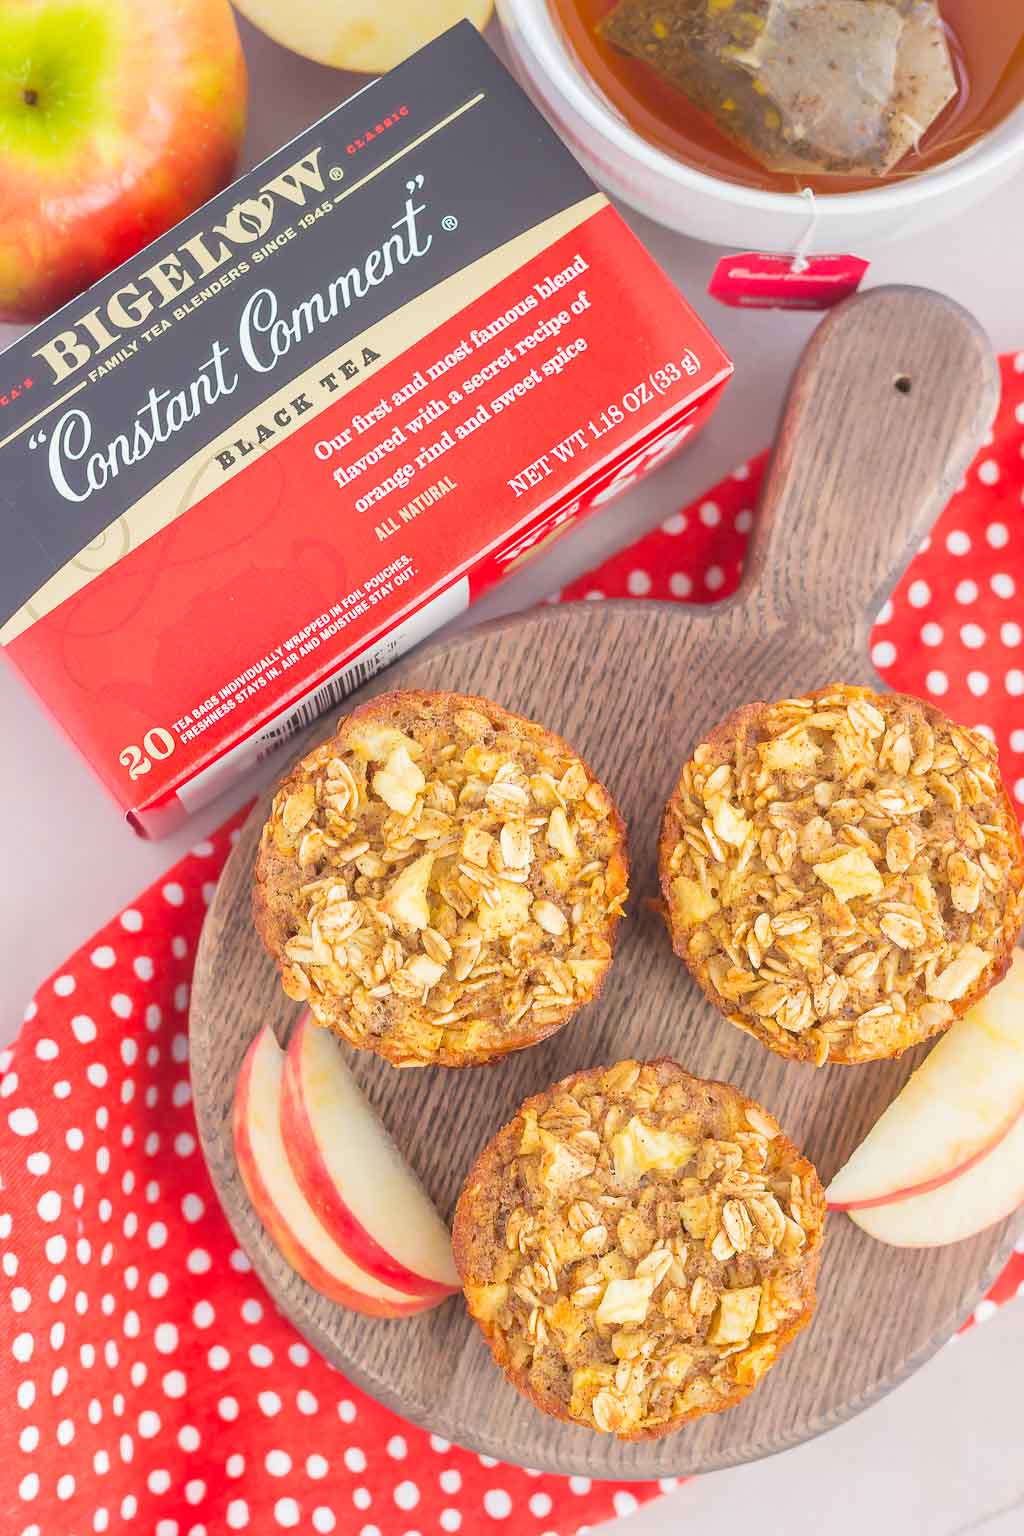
point(887, 408)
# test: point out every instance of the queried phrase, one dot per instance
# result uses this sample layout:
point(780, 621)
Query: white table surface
point(942, 1455)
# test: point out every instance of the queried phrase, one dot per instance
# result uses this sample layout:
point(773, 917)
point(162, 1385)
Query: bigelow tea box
point(318, 418)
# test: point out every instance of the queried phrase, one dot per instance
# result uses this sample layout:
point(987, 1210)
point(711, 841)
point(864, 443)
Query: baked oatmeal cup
point(842, 872)
point(638, 1247)
point(441, 880)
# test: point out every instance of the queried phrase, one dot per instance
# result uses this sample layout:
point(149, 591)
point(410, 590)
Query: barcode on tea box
point(333, 692)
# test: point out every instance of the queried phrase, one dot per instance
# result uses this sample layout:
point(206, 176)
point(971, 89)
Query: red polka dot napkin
point(149, 1384)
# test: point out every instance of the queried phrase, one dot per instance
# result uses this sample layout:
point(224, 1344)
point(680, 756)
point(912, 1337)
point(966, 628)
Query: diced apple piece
point(283, 1208)
point(625, 1301)
point(639, 1148)
point(399, 781)
point(957, 1106)
point(375, 741)
point(354, 1176)
point(987, 1192)
point(786, 753)
point(851, 874)
point(510, 913)
point(736, 1316)
point(960, 975)
point(487, 1300)
point(691, 902)
point(406, 898)
point(729, 824)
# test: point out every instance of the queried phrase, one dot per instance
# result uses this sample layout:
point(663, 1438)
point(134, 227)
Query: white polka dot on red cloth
point(23, 1121)
point(966, 592)
point(497, 1503)
point(48, 1205)
point(937, 682)
point(406, 1494)
point(988, 472)
point(103, 957)
point(638, 583)
point(919, 594)
point(958, 542)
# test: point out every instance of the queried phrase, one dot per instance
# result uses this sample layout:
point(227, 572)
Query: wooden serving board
point(890, 403)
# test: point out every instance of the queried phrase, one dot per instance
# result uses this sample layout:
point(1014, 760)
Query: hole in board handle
point(903, 383)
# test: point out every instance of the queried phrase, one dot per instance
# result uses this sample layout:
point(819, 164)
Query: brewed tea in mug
point(666, 67)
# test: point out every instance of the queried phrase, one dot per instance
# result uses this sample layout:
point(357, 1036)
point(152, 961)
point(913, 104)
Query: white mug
point(724, 212)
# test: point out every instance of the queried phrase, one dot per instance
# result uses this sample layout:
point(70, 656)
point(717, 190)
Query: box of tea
point(318, 418)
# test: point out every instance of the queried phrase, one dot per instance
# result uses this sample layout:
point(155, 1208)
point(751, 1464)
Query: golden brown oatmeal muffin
point(842, 872)
point(441, 881)
point(638, 1247)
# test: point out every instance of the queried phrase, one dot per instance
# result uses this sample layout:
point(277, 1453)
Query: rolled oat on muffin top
point(638, 1247)
point(842, 872)
point(441, 880)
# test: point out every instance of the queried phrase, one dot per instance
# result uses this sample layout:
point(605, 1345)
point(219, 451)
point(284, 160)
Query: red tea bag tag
point(757, 280)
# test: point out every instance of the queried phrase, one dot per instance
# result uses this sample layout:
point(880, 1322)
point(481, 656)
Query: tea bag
point(815, 86)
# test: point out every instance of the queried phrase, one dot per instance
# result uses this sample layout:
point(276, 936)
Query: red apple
point(354, 1176)
point(986, 1193)
point(280, 1204)
point(117, 118)
point(959, 1104)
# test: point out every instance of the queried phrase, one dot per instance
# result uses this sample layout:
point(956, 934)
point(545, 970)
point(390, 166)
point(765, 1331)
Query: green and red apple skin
point(117, 119)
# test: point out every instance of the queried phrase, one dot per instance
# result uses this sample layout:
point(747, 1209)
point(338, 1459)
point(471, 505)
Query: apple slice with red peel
point(354, 1176)
point(957, 1107)
point(281, 1205)
point(986, 1193)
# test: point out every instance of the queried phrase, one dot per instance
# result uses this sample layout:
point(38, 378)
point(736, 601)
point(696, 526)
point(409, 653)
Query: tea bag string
point(800, 263)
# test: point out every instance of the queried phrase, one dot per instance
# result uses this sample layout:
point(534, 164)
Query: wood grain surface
point(891, 401)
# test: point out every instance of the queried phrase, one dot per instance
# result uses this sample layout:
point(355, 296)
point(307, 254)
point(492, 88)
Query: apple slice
point(354, 1176)
point(956, 1108)
point(371, 36)
point(281, 1205)
point(986, 1193)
